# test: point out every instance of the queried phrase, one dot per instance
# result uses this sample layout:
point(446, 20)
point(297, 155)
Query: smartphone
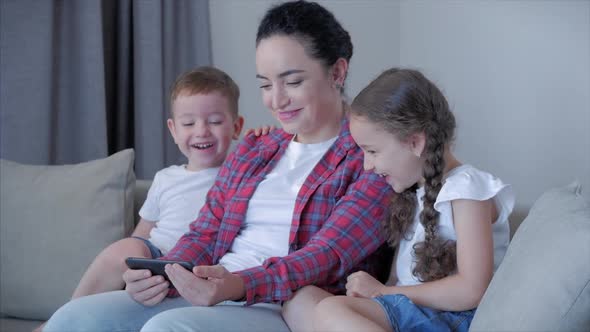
point(156, 266)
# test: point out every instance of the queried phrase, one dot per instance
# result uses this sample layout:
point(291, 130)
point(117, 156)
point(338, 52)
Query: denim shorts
point(155, 251)
point(404, 315)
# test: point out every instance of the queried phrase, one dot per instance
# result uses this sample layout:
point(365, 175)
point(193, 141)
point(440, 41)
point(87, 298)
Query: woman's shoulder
point(274, 137)
point(469, 182)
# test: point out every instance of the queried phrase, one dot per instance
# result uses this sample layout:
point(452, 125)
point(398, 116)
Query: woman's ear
point(339, 71)
point(417, 143)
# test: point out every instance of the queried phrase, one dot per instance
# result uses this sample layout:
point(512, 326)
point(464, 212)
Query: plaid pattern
point(336, 221)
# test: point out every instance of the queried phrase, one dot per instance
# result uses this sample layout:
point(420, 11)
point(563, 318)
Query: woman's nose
point(279, 99)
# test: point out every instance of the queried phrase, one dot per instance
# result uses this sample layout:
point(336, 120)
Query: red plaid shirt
point(336, 222)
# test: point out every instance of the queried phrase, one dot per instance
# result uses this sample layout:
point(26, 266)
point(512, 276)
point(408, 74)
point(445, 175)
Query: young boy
point(203, 121)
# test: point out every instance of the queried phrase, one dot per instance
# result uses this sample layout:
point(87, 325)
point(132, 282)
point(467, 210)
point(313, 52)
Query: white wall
point(516, 73)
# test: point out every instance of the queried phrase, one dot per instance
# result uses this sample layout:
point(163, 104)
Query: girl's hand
point(206, 285)
point(362, 284)
point(263, 130)
point(144, 288)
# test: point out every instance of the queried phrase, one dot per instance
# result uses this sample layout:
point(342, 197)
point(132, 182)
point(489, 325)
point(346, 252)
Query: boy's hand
point(144, 288)
point(206, 285)
point(263, 130)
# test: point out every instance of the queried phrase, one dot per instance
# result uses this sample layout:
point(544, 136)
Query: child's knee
point(309, 291)
point(116, 253)
point(328, 309)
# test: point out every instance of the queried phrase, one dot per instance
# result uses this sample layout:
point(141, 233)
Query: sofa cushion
point(18, 325)
point(543, 283)
point(54, 221)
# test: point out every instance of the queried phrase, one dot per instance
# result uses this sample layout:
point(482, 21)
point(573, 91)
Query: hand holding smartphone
point(156, 266)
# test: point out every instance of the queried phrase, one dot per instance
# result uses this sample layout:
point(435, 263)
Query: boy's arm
point(143, 228)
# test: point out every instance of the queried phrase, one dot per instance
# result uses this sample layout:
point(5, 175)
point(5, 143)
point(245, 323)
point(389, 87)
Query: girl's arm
point(475, 265)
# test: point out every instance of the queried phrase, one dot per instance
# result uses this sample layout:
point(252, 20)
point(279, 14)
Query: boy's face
point(203, 127)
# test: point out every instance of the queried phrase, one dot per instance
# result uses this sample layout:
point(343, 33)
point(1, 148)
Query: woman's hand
point(362, 284)
point(144, 288)
point(263, 130)
point(206, 285)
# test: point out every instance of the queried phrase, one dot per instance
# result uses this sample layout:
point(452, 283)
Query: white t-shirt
point(463, 182)
point(174, 200)
point(265, 231)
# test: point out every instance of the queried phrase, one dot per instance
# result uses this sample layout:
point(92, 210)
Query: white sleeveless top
point(462, 182)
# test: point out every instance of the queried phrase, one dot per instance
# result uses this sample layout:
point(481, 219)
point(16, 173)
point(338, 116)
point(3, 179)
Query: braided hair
point(404, 102)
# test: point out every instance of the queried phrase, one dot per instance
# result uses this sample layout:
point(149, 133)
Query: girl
point(449, 221)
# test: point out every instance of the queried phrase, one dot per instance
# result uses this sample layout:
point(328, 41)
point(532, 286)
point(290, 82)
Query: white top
point(174, 200)
point(265, 231)
point(463, 182)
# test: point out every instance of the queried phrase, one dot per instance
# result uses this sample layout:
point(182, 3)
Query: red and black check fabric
point(336, 221)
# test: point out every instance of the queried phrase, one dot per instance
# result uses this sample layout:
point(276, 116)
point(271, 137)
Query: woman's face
point(298, 89)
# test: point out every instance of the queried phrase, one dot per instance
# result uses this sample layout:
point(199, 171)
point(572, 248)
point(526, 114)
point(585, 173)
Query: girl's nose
point(367, 163)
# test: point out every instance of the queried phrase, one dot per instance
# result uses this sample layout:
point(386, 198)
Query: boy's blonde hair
point(203, 80)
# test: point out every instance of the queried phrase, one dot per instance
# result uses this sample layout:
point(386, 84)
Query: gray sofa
point(55, 219)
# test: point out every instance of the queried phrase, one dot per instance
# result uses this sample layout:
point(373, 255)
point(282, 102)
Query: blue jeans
point(117, 312)
point(154, 251)
point(404, 315)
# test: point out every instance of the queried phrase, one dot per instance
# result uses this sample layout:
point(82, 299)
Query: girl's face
point(298, 90)
point(398, 161)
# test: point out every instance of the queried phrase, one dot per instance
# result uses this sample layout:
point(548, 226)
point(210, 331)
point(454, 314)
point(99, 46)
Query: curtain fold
point(83, 79)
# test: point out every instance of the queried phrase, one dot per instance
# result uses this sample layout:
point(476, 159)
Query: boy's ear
point(238, 125)
point(417, 143)
point(172, 129)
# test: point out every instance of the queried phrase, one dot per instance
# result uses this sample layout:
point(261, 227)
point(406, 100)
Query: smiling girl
point(449, 220)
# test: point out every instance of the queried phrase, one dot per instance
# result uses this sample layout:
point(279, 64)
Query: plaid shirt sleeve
point(351, 233)
point(202, 245)
point(198, 244)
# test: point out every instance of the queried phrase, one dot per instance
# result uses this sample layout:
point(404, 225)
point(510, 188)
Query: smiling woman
point(299, 91)
point(288, 209)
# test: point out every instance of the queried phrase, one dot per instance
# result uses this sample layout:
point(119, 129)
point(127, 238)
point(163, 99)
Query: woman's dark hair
point(404, 102)
point(314, 26)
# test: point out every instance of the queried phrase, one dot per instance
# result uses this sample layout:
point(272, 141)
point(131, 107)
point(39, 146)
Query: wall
point(516, 73)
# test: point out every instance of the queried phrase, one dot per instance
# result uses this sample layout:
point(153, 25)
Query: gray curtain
point(82, 79)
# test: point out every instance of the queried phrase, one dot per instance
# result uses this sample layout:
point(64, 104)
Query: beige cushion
point(54, 221)
point(543, 283)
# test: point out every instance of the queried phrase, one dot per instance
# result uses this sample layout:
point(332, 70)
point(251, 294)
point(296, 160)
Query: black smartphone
point(156, 266)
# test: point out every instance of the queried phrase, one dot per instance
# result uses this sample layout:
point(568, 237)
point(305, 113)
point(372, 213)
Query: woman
point(288, 209)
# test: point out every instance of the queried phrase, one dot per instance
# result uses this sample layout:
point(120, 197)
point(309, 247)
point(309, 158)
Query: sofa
point(55, 219)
